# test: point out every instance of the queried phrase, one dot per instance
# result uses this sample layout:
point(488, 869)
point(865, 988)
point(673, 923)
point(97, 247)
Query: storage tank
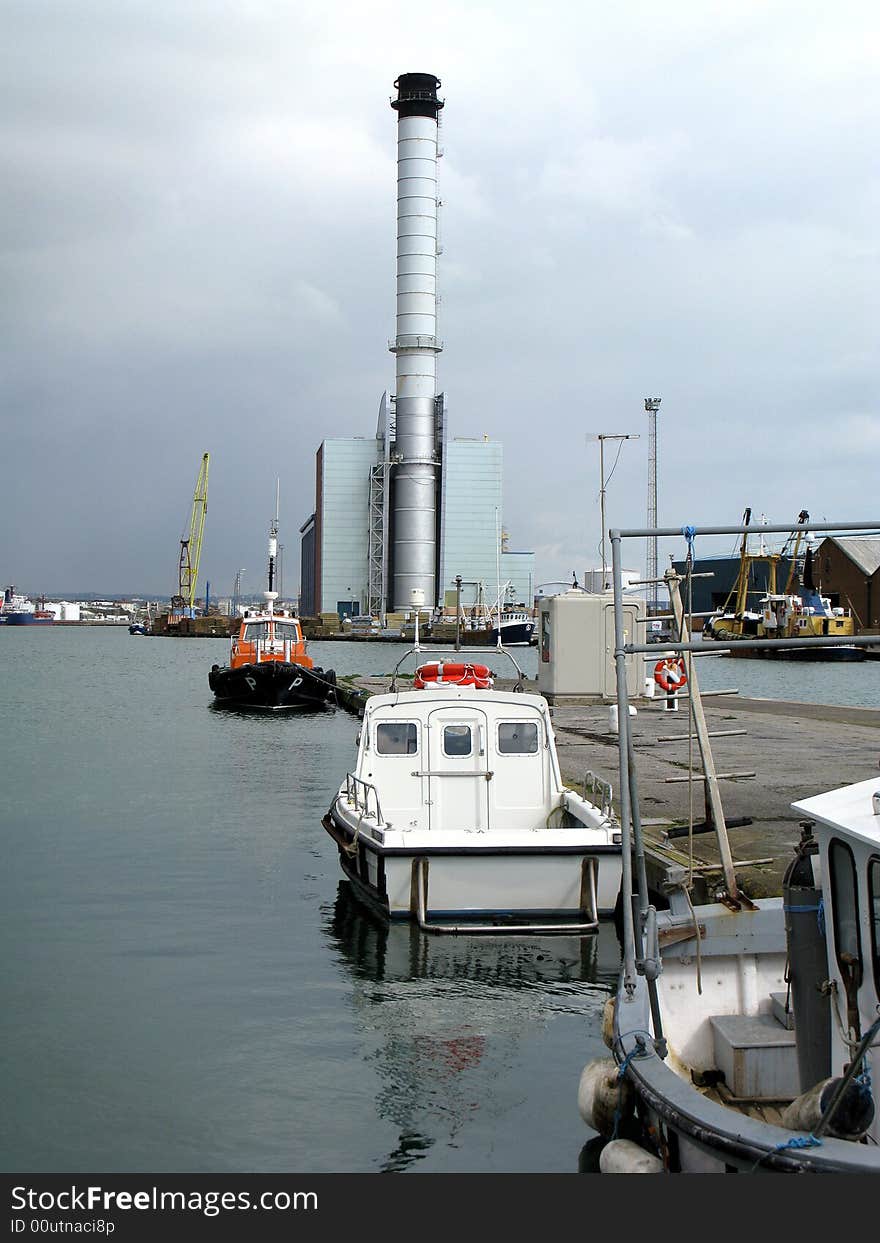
point(576, 645)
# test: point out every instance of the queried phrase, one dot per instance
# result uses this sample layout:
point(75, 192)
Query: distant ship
point(514, 628)
point(18, 610)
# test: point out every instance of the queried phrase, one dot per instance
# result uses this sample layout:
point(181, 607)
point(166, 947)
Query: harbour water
point(188, 984)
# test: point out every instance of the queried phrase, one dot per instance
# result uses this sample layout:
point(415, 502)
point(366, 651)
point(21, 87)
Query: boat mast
point(272, 595)
point(742, 582)
point(498, 569)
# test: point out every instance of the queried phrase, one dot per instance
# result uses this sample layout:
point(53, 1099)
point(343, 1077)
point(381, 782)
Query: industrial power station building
point(399, 516)
point(342, 541)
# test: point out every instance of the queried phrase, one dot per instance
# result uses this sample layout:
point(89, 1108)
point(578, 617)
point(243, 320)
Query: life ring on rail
point(440, 673)
point(670, 674)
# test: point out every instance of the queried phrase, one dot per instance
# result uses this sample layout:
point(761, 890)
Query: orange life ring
point(670, 674)
point(440, 673)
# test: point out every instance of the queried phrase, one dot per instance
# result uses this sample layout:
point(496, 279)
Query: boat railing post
point(629, 931)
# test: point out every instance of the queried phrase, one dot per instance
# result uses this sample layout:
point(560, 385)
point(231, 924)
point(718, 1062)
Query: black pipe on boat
point(808, 960)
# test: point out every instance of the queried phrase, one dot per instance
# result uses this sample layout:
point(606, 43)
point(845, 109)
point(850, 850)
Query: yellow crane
point(796, 536)
point(182, 605)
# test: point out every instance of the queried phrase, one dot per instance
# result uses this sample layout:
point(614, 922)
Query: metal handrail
point(631, 831)
point(461, 656)
point(594, 784)
point(361, 801)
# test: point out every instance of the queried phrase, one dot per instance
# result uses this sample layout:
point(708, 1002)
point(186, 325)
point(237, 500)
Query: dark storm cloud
point(197, 248)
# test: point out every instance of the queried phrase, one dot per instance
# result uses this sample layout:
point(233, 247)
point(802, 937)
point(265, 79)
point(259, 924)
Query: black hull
point(517, 634)
point(825, 654)
point(272, 685)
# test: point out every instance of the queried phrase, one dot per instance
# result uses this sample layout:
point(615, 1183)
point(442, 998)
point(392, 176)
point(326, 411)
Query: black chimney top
point(417, 95)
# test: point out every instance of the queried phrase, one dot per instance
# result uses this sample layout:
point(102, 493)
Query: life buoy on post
point(670, 674)
point(440, 673)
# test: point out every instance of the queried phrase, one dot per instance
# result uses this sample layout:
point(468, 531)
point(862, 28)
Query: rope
point(806, 910)
point(863, 1080)
point(796, 1142)
point(699, 943)
point(637, 1050)
point(352, 848)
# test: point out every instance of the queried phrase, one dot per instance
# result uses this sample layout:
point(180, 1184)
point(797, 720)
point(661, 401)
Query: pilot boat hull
point(272, 685)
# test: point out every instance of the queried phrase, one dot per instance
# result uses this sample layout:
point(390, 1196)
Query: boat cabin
point(787, 616)
point(446, 762)
point(847, 828)
point(264, 636)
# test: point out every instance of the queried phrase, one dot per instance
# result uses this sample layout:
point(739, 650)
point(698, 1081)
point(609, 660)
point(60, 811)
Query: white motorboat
point(742, 1031)
point(456, 815)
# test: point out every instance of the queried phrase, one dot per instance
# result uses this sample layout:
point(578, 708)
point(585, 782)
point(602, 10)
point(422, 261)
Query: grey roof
point(862, 550)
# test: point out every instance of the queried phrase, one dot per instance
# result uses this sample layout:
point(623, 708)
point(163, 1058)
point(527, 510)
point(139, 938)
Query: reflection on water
point(450, 1015)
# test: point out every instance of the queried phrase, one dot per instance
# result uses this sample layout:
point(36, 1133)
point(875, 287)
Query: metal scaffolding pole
point(652, 405)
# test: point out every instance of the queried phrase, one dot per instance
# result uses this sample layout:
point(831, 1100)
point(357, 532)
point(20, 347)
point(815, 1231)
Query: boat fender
point(622, 1156)
point(604, 1099)
point(608, 1023)
point(852, 1117)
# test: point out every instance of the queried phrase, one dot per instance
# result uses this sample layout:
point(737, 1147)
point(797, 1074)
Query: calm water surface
point(187, 983)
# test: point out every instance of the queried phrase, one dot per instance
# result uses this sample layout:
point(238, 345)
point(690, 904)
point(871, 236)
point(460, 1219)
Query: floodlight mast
point(652, 405)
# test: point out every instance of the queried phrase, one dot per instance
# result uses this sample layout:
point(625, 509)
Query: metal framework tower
point(652, 405)
point(378, 518)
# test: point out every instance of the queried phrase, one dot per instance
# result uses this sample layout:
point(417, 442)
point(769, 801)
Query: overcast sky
point(198, 221)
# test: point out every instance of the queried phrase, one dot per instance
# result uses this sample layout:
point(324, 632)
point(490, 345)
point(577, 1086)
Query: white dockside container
point(576, 645)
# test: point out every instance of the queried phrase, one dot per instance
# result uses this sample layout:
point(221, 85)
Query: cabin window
point(845, 899)
point(456, 739)
point(256, 630)
point(397, 738)
point(284, 630)
point(874, 899)
point(517, 738)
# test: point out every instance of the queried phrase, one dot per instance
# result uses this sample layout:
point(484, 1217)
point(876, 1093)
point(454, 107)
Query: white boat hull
point(512, 880)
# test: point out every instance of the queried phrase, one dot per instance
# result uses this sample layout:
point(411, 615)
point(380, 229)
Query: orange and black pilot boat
point(269, 667)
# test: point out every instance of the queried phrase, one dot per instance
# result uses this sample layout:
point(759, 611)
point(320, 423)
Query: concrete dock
point(794, 750)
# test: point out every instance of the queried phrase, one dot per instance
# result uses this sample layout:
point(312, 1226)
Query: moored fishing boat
point(742, 1030)
point(269, 668)
point(797, 612)
point(513, 628)
point(455, 814)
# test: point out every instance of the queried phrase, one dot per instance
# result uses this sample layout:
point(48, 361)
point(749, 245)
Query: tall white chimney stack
point(417, 456)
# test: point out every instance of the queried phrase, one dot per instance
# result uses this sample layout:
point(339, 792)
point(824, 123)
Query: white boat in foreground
point(743, 1032)
point(456, 815)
